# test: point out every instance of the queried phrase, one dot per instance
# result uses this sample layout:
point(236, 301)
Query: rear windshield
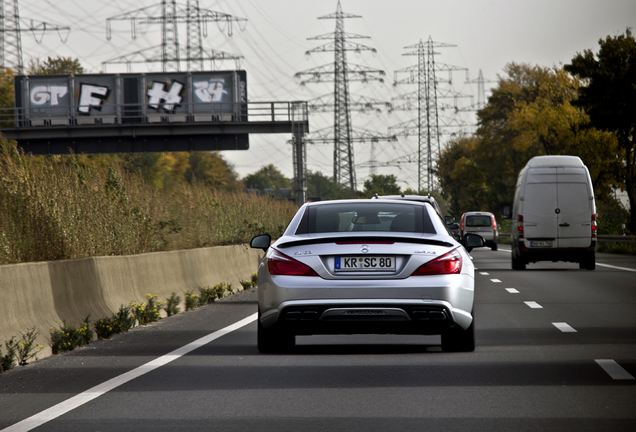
point(366, 216)
point(478, 221)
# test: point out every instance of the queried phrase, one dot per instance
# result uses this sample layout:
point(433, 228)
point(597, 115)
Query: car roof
point(471, 213)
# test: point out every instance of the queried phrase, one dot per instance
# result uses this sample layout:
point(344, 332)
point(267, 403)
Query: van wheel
point(518, 263)
point(588, 263)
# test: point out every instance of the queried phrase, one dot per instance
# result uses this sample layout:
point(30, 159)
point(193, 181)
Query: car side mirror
point(261, 242)
point(471, 241)
point(449, 220)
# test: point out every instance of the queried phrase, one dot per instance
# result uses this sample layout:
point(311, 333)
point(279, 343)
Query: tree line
point(586, 108)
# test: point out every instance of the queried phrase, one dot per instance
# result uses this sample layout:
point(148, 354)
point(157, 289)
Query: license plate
point(544, 243)
point(364, 263)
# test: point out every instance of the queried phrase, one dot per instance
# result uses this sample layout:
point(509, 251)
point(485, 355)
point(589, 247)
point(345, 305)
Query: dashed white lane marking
point(534, 305)
point(564, 327)
point(100, 389)
point(484, 273)
point(512, 291)
point(614, 370)
point(495, 280)
point(615, 267)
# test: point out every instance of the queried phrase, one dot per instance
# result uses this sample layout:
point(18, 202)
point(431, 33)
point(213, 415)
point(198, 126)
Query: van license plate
point(541, 243)
point(364, 263)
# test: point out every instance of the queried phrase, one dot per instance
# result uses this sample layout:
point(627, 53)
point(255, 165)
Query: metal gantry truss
point(169, 14)
point(428, 125)
point(341, 102)
point(11, 38)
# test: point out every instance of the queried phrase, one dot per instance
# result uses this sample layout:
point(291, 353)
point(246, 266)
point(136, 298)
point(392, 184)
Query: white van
point(554, 213)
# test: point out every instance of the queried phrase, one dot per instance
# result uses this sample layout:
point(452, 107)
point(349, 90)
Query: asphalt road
point(556, 351)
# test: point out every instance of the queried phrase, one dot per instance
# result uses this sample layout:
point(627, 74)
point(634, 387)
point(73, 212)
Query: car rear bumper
point(366, 316)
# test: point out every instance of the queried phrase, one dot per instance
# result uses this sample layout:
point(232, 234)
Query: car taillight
point(494, 223)
point(594, 226)
point(281, 264)
point(520, 226)
point(451, 263)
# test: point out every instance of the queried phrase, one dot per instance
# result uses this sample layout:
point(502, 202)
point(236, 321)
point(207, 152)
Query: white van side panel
point(538, 202)
point(575, 201)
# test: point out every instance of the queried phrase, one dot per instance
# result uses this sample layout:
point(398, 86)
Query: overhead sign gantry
point(153, 112)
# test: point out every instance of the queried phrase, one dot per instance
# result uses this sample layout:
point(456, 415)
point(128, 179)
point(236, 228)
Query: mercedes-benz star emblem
point(364, 248)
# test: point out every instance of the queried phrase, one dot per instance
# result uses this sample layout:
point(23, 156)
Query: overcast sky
point(487, 35)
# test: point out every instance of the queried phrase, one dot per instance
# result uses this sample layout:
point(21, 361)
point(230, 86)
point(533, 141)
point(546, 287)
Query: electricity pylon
point(10, 38)
point(169, 15)
point(426, 100)
point(341, 73)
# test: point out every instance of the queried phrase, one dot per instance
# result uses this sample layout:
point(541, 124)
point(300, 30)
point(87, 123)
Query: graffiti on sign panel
point(91, 96)
point(159, 98)
point(209, 91)
point(47, 95)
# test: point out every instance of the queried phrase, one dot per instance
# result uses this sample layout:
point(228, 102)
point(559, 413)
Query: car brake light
point(494, 223)
point(594, 226)
point(520, 226)
point(281, 264)
point(450, 263)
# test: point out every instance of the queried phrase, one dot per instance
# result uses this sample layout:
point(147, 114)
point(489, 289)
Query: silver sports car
point(366, 266)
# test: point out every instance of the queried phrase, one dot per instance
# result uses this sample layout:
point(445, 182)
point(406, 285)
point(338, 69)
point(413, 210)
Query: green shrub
point(208, 295)
point(120, 321)
point(148, 311)
point(67, 337)
point(172, 304)
point(192, 300)
point(26, 346)
point(246, 284)
point(8, 361)
point(254, 279)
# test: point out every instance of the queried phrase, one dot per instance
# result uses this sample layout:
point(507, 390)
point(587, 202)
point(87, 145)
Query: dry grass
point(54, 208)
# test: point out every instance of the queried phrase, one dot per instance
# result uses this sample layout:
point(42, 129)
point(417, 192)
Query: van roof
point(550, 161)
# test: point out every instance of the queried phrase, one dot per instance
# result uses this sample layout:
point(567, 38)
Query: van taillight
point(520, 226)
point(594, 227)
point(494, 223)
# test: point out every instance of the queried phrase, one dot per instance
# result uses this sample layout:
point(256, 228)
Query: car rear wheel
point(454, 340)
point(273, 340)
point(494, 246)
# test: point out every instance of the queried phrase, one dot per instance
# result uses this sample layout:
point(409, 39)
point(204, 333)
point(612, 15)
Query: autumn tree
point(213, 170)
point(55, 66)
point(267, 177)
point(381, 184)
point(325, 188)
point(530, 113)
point(609, 97)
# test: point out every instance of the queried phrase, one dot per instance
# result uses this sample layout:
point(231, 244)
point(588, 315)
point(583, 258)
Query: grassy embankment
point(55, 208)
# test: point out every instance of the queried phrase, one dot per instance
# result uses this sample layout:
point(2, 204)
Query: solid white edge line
point(616, 267)
point(100, 389)
point(564, 327)
point(598, 263)
point(614, 370)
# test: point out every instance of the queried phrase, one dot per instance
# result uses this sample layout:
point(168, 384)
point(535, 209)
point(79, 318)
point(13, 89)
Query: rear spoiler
point(365, 239)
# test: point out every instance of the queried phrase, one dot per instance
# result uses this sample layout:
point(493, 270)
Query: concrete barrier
point(43, 294)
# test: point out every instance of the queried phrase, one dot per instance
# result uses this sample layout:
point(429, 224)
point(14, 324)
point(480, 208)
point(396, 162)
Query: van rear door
point(540, 220)
point(575, 208)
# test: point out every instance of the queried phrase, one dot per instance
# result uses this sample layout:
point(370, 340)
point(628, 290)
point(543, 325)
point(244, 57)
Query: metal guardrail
point(70, 116)
point(624, 239)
